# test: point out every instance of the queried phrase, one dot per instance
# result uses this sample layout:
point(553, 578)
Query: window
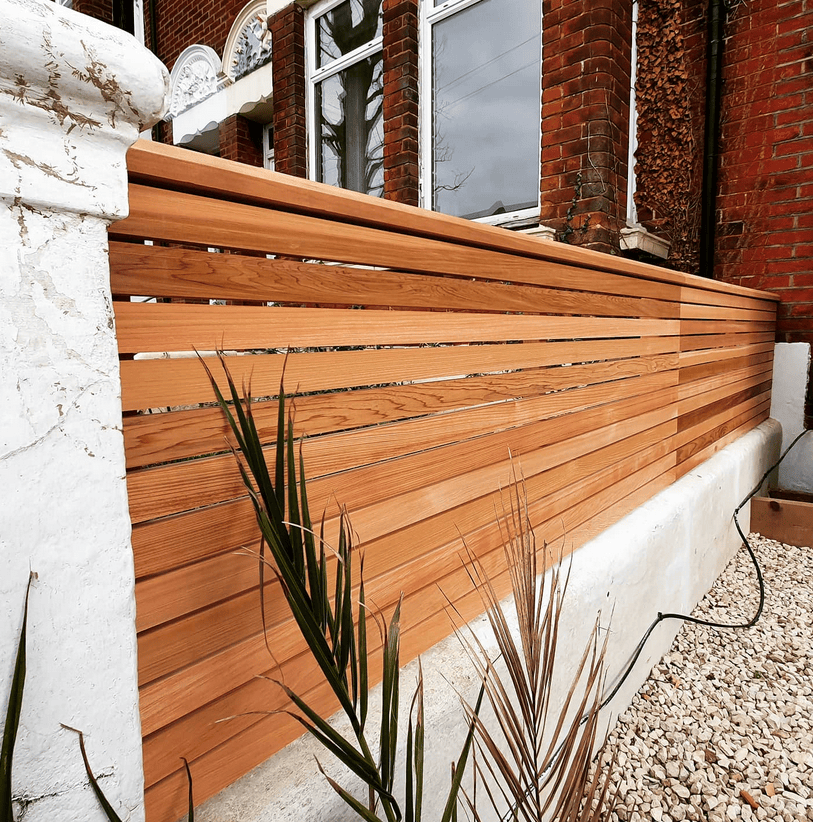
point(268, 148)
point(345, 90)
point(482, 77)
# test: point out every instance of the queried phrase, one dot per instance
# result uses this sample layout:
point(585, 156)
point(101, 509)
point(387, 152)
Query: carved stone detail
point(249, 44)
point(197, 74)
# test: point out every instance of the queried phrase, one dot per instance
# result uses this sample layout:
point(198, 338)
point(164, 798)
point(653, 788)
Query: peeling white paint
point(74, 94)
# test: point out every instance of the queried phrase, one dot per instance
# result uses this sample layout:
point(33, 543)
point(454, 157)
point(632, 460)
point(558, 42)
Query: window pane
point(486, 75)
point(345, 28)
point(350, 124)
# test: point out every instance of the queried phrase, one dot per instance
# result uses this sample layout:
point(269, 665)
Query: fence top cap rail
point(160, 164)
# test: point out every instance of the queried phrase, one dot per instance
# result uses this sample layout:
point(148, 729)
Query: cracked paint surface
point(74, 94)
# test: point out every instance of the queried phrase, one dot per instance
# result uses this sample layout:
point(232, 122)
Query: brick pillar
point(401, 101)
point(586, 79)
point(289, 91)
point(240, 140)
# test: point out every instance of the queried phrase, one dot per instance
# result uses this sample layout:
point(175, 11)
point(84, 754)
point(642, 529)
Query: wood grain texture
point(174, 272)
point(162, 437)
point(175, 169)
point(157, 328)
point(429, 350)
point(157, 383)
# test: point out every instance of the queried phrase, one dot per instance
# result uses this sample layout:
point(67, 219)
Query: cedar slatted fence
point(424, 349)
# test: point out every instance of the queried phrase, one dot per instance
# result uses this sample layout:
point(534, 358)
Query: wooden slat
point(154, 328)
point(701, 311)
point(178, 217)
point(173, 272)
point(165, 490)
point(251, 742)
point(154, 383)
point(177, 169)
point(161, 437)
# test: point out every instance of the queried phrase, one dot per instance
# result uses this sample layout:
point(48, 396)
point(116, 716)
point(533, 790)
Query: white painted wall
point(664, 556)
point(74, 94)
point(790, 376)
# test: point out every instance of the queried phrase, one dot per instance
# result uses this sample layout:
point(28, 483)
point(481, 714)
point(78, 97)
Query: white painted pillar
point(74, 95)
point(790, 377)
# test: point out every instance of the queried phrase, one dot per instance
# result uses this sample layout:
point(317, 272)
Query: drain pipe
point(156, 130)
point(715, 51)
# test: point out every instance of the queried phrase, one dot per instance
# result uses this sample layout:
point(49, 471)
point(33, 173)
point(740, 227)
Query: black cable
point(673, 616)
point(701, 621)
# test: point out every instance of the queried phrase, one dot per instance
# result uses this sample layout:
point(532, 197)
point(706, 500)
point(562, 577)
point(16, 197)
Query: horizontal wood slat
point(152, 328)
point(423, 350)
point(176, 169)
point(154, 383)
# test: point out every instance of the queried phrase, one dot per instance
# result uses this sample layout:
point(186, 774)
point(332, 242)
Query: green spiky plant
point(531, 771)
point(332, 622)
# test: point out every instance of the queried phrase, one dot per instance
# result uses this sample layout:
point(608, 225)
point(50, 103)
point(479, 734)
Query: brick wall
point(586, 80)
point(181, 23)
point(289, 91)
point(98, 9)
point(764, 201)
point(401, 101)
point(241, 140)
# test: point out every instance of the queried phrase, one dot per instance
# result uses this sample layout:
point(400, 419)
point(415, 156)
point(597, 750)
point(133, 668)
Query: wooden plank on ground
point(787, 521)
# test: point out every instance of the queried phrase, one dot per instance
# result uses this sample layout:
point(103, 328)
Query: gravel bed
point(722, 728)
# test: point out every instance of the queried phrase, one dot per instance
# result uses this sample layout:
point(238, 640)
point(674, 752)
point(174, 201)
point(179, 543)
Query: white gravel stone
point(728, 710)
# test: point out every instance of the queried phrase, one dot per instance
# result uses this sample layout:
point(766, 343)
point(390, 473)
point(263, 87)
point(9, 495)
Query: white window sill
point(638, 238)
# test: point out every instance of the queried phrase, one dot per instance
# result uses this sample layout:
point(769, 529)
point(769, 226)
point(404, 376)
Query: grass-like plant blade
point(104, 803)
point(420, 745)
point(390, 688)
point(189, 791)
point(294, 512)
point(450, 810)
point(364, 812)
point(334, 741)
point(15, 705)
point(363, 661)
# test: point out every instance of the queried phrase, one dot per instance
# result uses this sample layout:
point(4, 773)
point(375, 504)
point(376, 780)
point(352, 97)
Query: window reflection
point(486, 76)
point(349, 98)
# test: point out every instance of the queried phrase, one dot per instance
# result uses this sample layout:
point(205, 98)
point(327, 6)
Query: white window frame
point(429, 16)
point(317, 75)
point(268, 153)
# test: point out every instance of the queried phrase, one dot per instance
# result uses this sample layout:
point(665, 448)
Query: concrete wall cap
point(74, 94)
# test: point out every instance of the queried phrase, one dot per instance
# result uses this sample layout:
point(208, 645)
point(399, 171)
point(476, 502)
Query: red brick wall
point(401, 101)
point(240, 140)
point(98, 9)
point(586, 80)
point(765, 178)
point(181, 23)
point(289, 91)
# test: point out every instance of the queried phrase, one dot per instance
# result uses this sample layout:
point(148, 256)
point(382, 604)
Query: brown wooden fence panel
point(424, 349)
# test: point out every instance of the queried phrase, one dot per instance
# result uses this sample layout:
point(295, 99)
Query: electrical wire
point(688, 618)
point(702, 621)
